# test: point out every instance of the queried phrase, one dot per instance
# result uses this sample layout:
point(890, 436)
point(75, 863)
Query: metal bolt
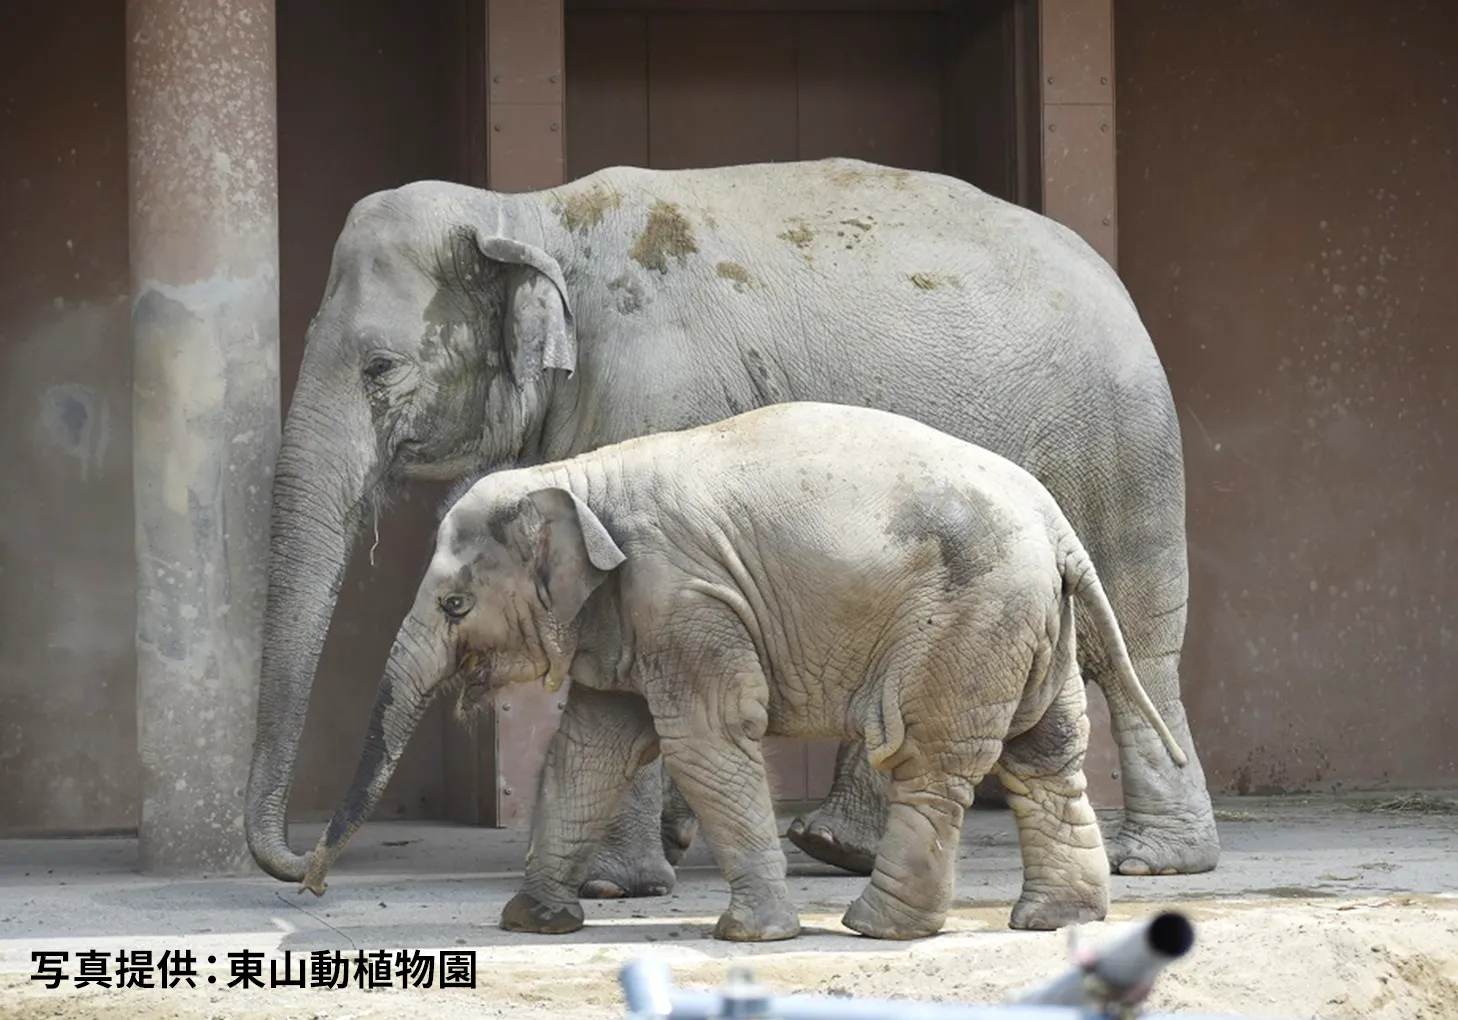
point(561, 706)
point(1107, 221)
point(495, 127)
point(1103, 127)
point(506, 706)
point(554, 127)
point(506, 791)
point(1052, 127)
point(553, 78)
point(496, 78)
point(1050, 79)
point(1103, 80)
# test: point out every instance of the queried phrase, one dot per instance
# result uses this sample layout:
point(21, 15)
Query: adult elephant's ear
point(538, 327)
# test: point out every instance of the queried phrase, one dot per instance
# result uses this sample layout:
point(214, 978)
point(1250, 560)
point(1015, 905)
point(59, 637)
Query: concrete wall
point(67, 568)
point(370, 96)
point(1287, 185)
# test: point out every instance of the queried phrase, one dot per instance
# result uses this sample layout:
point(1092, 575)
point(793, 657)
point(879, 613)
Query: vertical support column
point(1079, 190)
point(1077, 59)
point(202, 148)
point(525, 57)
point(524, 40)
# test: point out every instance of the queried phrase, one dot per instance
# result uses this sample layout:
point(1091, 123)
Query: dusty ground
point(1320, 908)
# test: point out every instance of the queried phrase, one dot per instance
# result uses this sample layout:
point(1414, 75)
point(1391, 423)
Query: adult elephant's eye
point(456, 606)
point(378, 366)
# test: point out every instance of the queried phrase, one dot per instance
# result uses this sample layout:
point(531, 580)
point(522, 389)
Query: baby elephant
point(802, 570)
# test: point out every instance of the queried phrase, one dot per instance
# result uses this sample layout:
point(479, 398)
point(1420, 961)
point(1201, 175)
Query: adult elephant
point(463, 330)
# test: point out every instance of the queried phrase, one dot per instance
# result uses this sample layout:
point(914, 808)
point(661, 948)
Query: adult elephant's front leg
point(601, 744)
point(631, 859)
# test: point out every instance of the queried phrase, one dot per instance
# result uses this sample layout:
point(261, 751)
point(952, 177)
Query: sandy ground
point(1320, 908)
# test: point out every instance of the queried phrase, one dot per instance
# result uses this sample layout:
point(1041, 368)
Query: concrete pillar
point(202, 148)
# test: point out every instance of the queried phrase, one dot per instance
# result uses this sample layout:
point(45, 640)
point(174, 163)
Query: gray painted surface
point(419, 885)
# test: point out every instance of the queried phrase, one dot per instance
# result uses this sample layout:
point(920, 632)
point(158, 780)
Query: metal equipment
point(1105, 983)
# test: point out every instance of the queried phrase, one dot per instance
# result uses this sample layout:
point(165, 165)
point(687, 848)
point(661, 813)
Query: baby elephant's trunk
point(399, 706)
point(1083, 581)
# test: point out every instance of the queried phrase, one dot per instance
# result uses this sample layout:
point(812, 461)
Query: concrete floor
point(413, 885)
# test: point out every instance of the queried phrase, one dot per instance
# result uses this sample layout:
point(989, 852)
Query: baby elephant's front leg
point(710, 704)
point(603, 740)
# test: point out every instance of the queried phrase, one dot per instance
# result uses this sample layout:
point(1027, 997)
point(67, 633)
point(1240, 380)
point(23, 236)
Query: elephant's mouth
point(474, 683)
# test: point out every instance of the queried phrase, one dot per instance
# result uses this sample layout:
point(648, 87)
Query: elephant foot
point(527, 913)
point(878, 915)
point(612, 878)
point(678, 836)
point(838, 841)
point(1035, 912)
point(771, 921)
point(1163, 844)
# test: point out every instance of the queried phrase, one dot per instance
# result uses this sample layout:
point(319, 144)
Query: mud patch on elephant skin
point(735, 272)
point(932, 281)
point(955, 522)
point(799, 233)
point(853, 178)
point(667, 235)
point(629, 295)
point(583, 210)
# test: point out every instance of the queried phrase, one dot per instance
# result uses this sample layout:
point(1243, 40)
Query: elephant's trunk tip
point(318, 867)
point(278, 861)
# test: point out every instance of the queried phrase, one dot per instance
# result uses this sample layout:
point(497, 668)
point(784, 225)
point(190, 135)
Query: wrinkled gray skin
point(803, 570)
point(463, 330)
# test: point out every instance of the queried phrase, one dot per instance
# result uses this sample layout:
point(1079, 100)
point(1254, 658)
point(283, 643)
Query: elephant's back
point(835, 216)
point(859, 494)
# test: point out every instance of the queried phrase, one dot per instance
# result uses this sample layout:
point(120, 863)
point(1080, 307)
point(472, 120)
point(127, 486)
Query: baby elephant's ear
point(574, 552)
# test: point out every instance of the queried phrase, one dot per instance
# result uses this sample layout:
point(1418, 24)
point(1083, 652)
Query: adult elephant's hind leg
point(1168, 826)
point(631, 859)
point(1138, 543)
point(846, 829)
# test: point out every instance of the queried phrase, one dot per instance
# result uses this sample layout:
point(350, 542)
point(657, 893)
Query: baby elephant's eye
point(378, 366)
point(456, 606)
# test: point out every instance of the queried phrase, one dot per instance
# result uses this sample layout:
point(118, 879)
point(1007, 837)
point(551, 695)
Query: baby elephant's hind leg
point(915, 875)
point(1065, 866)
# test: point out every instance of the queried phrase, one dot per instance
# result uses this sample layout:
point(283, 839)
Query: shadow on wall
point(67, 574)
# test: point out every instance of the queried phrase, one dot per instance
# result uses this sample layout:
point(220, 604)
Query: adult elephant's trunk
point(418, 662)
point(318, 489)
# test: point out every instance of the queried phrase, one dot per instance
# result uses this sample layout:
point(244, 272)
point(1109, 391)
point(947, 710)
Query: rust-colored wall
point(68, 729)
point(1287, 185)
